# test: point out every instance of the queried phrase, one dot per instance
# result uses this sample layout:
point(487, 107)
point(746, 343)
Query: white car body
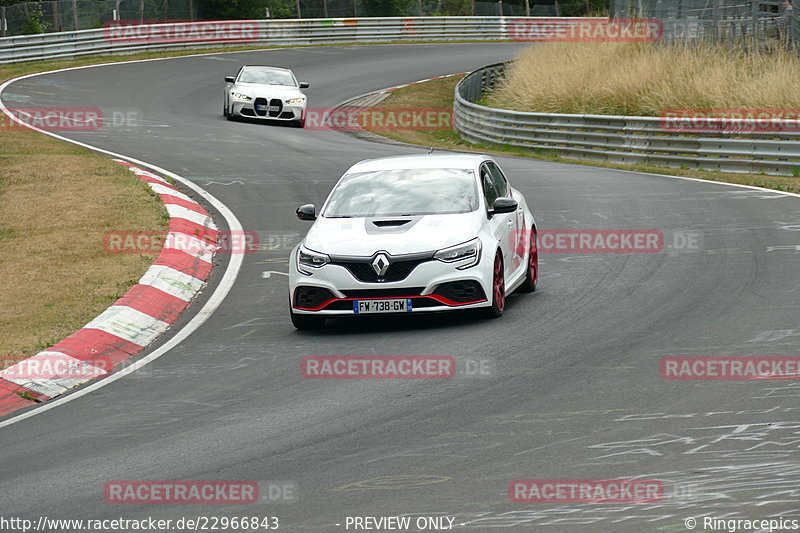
point(265, 93)
point(435, 279)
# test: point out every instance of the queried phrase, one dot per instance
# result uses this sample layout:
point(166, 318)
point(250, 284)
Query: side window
point(489, 188)
point(500, 182)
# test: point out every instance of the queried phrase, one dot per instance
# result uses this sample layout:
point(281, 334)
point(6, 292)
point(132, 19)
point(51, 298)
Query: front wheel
point(306, 321)
point(498, 288)
point(532, 275)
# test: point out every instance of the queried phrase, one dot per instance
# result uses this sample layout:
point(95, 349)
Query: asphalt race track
point(571, 387)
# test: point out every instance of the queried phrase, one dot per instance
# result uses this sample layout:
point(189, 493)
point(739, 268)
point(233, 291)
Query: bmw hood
point(396, 235)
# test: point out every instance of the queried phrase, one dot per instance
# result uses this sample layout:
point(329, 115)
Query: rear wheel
point(498, 288)
point(532, 276)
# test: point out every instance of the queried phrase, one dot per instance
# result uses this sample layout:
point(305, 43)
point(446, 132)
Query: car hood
point(365, 236)
point(259, 89)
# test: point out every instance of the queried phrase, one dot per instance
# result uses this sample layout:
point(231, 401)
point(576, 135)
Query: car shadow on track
point(264, 122)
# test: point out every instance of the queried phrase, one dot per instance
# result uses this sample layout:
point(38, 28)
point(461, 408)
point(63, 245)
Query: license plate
point(394, 305)
point(268, 107)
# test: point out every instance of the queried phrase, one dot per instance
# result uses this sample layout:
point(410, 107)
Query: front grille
point(259, 102)
point(461, 291)
point(383, 293)
point(276, 102)
point(311, 297)
point(398, 270)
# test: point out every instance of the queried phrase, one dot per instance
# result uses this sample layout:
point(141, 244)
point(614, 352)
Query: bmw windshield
point(399, 192)
point(267, 76)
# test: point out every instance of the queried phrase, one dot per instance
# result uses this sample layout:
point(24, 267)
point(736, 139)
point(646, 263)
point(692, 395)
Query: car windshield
point(267, 76)
point(435, 191)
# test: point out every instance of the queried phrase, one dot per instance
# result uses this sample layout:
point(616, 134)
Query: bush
point(34, 23)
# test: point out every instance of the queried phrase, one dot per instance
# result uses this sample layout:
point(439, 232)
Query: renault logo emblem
point(380, 264)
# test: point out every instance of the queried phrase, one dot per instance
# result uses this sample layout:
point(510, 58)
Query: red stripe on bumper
point(435, 297)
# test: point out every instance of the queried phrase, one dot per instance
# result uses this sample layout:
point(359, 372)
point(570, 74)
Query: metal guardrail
point(623, 139)
point(129, 39)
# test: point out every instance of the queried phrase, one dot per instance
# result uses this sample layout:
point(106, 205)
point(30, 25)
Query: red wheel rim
point(534, 259)
point(499, 284)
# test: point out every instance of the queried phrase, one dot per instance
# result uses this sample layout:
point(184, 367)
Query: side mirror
point(307, 212)
point(503, 205)
point(304, 85)
point(230, 79)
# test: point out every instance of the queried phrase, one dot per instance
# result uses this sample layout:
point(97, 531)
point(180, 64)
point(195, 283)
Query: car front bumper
point(432, 286)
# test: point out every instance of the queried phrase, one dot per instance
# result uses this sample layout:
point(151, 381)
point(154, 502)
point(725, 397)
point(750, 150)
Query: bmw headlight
point(240, 96)
point(296, 101)
point(467, 254)
point(310, 259)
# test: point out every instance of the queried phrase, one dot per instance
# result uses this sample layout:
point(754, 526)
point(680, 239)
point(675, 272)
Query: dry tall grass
point(646, 78)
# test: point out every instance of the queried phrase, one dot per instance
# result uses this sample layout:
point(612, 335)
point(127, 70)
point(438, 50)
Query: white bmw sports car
point(410, 234)
point(268, 93)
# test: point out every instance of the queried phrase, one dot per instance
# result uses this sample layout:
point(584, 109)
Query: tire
point(224, 110)
point(532, 275)
point(300, 123)
point(306, 321)
point(231, 116)
point(498, 289)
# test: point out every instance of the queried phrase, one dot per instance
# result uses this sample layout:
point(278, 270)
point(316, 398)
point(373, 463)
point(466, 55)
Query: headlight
point(469, 253)
point(240, 96)
point(310, 259)
point(296, 101)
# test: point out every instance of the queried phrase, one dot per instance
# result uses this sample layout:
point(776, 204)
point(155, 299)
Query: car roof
point(267, 66)
point(451, 160)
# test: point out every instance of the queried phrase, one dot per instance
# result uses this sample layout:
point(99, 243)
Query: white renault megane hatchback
point(411, 234)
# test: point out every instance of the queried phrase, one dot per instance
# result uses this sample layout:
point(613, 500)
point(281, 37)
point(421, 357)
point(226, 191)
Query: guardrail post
point(141, 11)
point(75, 14)
point(325, 8)
point(56, 25)
point(3, 23)
point(297, 5)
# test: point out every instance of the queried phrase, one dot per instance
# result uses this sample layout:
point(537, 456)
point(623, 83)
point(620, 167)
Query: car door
point(516, 237)
point(502, 225)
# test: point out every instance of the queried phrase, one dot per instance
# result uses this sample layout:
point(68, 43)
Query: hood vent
point(390, 223)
